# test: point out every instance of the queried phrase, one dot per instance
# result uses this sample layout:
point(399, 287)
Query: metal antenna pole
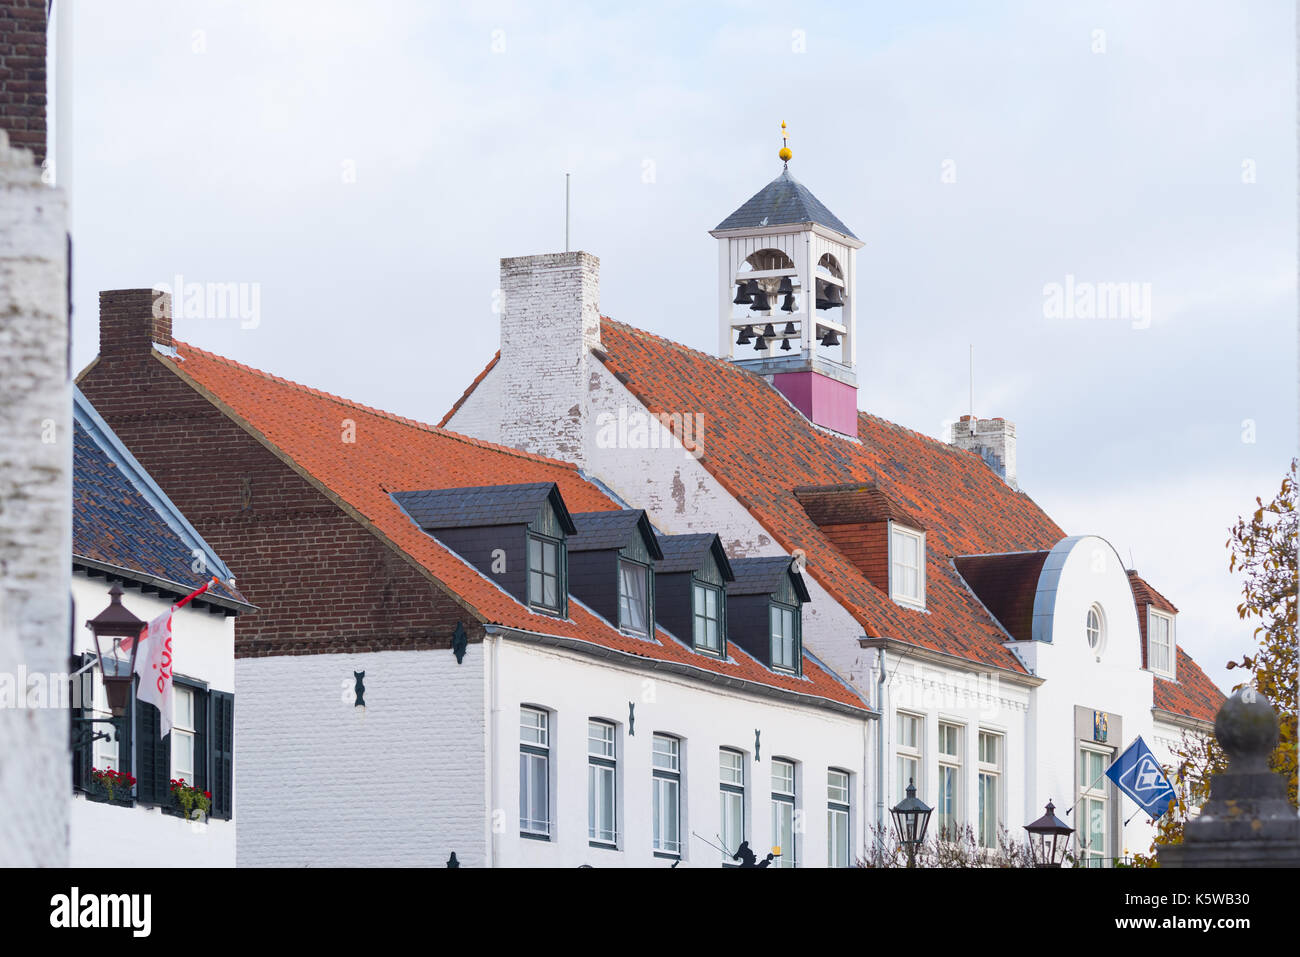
point(566, 212)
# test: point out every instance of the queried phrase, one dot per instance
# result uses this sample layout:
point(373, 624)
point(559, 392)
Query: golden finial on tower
point(785, 153)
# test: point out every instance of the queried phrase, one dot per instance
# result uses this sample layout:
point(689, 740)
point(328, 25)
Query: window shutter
point(83, 757)
point(153, 760)
point(222, 737)
point(201, 705)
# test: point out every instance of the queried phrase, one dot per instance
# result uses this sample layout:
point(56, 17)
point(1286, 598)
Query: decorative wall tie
point(631, 719)
point(459, 642)
point(360, 689)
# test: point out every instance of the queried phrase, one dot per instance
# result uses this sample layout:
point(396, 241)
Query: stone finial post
point(1247, 822)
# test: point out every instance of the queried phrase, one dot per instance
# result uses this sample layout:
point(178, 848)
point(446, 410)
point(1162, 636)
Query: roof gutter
point(950, 661)
point(164, 586)
point(636, 662)
point(1185, 721)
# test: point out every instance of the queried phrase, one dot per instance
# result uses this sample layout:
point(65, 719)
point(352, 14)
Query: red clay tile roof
point(852, 504)
point(1193, 694)
point(395, 454)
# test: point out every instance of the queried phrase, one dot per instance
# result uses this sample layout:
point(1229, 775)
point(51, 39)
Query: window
point(837, 818)
point(990, 788)
point(1096, 628)
point(948, 810)
point(907, 566)
point(666, 795)
point(783, 802)
point(1160, 643)
point(1092, 808)
point(183, 728)
point(534, 773)
point(106, 754)
point(731, 781)
point(633, 597)
point(708, 618)
point(785, 638)
point(602, 771)
point(911, 734)
point(544, 589)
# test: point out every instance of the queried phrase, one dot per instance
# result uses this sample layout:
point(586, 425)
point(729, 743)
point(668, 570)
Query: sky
point(362, 167)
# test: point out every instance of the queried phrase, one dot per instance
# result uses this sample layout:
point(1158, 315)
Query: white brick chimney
point(550, 322)
point(994, 440)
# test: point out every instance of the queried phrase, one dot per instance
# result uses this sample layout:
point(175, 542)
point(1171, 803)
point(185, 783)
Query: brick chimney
point(995, 441)
point(132, 320)
point(550, 322)
point(22, 74)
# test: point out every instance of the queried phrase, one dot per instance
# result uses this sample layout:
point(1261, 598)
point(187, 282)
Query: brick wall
point(35, 512)
point(322, 581)
point(22, 74)
point(866, 544)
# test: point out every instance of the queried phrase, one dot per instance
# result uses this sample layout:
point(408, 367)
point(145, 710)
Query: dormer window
point(1160, 643)
point(708, 630)
point(907, 566)
point(785, 637)
point(633, 597)
point(545, 577)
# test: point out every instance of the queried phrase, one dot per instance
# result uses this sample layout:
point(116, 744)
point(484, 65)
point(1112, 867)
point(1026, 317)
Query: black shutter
point(153, 760)
point(201, 704)
point(222, 738)
point(83, 757)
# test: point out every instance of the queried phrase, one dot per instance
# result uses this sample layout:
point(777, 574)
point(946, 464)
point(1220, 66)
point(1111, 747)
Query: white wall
point(203, 646)
point(705, 717)
point(320, 783)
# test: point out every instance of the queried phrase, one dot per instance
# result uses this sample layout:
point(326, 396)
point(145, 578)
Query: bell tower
point(786, 302)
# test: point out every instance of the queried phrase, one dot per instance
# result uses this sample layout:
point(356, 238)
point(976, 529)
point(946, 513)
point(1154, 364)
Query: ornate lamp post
point(1049, 838)
point(115, 623)
point(911, 818)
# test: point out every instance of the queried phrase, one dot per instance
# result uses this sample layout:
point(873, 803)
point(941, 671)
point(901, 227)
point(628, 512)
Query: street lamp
point(911, 818)
point(1049, 838)
point(116, 622)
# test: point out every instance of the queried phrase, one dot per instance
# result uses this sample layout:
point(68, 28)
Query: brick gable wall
point(22, 74)
point(322, 581)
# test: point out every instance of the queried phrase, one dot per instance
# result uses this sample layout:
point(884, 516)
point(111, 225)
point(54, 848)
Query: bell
point(788, 305)
point(785, 345)
point(789, 329)
point(769, 332)
point(822, 301)
point(760, 344)
point(745, 292)
point(760, 301)
point(787, 287)
point(830, 339)
point(834, 299)
point(745, 336)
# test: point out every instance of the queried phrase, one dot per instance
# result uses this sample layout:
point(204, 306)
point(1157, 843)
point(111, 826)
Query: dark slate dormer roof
point(784, 202)
point(124, 525)
point(613, 530)
point(685, 553)
point(852, 504)
point(763, 576)
point(483, 505)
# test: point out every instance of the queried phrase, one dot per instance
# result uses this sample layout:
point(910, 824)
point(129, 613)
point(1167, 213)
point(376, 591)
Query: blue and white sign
point(1137, 773)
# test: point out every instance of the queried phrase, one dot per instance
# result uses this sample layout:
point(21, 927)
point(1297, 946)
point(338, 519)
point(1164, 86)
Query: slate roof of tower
point(761, 449)
point(393, 454)
point(784, 202)
point(121, 518)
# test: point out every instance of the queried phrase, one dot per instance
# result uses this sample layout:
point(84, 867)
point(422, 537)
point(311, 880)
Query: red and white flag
point(153, 663)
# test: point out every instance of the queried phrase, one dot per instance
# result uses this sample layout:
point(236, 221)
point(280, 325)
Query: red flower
point(207, 794)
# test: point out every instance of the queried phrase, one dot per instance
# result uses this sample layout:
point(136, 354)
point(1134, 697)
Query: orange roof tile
point(393, 454)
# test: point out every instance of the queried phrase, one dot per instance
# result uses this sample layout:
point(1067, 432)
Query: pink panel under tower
point(826, 401)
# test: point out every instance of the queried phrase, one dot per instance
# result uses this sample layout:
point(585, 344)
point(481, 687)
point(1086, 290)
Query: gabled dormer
point(611, 567)
point(516, 535)
point(765, 604)
point(1156, 618)
point(691, 581)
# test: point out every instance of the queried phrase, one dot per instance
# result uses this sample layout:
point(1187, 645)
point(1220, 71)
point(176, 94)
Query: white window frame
point(184, 733)
point(106, 754)
point(839, 818)
point(666, 794)
point(625, 601)
point(602, 773)
point(785, 802)
point(1152, 617)
point(990, 770)
point(906, 754)
point(895, 583)
point(1093, 795)
point(529, 750)
point(1100, 613)
point(731, 787)
point(949, 762)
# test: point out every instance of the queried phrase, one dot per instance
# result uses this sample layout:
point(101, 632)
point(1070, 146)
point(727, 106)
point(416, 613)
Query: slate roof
point(760, 449)
point(395, 454)
point(685, 553)
point(613, 530)
point(122, 519)
point(762, 576)
point(783, 202)
point(482, 505)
